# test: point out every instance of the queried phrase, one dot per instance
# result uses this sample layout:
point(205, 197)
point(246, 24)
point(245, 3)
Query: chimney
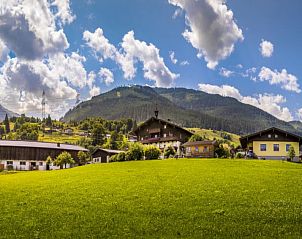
point(59, 145)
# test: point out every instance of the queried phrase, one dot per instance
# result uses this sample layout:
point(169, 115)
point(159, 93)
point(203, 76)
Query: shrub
point(64, 159)
point(169, 151)
point(221, 152)
point(195, 137)
point(152, 152)
point(121, 157)
point(239, 155)
point(291, 153)
point(136, 152)
point(113, 158)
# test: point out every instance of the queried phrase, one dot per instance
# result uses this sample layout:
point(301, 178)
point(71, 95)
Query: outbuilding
point(103, 155)
point(200, 149)
point(32, 155)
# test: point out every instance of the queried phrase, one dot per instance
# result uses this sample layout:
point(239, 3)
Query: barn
point(32, 155)
point(103, 155)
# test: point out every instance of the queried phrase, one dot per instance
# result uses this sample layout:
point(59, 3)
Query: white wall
point(41, 165)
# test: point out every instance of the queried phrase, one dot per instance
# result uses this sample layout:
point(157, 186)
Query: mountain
point(4, 111)
point(186, 107)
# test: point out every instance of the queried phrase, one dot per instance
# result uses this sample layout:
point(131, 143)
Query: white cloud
point(212, 29)
point(94, 91)
point(177, 13)
point(172, 57)
point(287, 81)
point(266, 48)
point(131, 52)
point(226, 73)
point(106, 76)
point(267, 102)
point(63, 11)
point(299, 114)
point(30, 34)
point(184, 63)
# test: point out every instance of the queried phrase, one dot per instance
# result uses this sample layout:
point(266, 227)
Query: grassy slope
point(210, 134)
point(167, 199)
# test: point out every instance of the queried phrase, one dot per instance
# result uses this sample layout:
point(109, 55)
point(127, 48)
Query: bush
point(113, 158)
point(152, 152)
point(221, 152)
point(239, 155)
point(169, 151)
point(121, 157)
point(136, 152)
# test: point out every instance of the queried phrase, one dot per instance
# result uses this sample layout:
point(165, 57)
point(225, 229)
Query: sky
point(77, 49)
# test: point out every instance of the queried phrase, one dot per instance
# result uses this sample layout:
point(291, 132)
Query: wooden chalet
point(103, 155)
point(162, 133)
point(200, 149)
point(272, 143)
point(32, 155)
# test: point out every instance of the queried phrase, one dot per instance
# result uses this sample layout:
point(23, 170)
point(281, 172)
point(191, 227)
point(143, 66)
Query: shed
point(200, 149)
point(102, 155)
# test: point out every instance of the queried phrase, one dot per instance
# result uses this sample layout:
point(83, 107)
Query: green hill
point(155, 199)
point(186, 107)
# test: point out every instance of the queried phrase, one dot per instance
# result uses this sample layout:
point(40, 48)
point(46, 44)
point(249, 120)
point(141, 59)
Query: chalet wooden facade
point(272, 143)
point(103, 155)
point(200, 149)
point(29, 155)
point(162, 133)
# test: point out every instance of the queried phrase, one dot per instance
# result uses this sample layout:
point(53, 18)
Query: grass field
point(155, 199)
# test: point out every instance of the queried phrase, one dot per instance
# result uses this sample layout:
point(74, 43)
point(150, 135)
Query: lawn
point(155, 199)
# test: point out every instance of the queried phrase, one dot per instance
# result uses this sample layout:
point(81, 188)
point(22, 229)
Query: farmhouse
point(200, 149)
point(103, 155)
point(272, 143)
point(162, 133)
point(29, 155)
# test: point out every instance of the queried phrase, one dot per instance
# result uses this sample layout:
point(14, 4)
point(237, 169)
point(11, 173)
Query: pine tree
point(6, 124)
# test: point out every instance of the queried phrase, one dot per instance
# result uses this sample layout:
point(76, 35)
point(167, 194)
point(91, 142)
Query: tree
point(291, 153)
point(48, 121)
point(2, 131)
point(152, 152)
point(195, 138)
point(83, 157)
point(28, 131)
point(64, 159)
point(98, 132)
point(169, 151)
point(6, 124)
point(49, 160)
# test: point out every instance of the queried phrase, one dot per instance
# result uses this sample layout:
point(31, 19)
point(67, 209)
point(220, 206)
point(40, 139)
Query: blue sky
point(229, 32)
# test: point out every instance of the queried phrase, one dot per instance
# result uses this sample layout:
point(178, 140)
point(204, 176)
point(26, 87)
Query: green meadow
point(155, 199)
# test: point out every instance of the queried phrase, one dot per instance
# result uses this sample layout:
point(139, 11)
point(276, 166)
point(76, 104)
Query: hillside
point(186, 107)
point(4, 111)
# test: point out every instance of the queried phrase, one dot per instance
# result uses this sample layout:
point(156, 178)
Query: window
point(165, 135)
point(262, 147)
point(22, 163)
point(276, 147)
point(269, 136)
point(40, 163)
point(196, 148)
point(9, 162)
point(205, 149)
point(287, 147)
point(276, 136)
point(165, 126)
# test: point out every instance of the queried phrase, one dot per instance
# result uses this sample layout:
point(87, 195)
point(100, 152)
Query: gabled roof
point(42, 145)
point(110, 151)
point(204, 142)
point(245, 138)
point(162, 121)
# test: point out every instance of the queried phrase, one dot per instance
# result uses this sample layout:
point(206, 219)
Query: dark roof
point(244, 139)
point(164, 122)
point(42, 145)
point(204, 142)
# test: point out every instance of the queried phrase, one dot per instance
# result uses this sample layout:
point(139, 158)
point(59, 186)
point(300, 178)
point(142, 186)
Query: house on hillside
point(200, 149)
point(68, 131)
point(272, 143)
point(32, 155)
point(103, 155)
point(162, 133)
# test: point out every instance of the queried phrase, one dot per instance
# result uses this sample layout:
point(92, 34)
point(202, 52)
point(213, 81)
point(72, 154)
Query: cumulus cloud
point(212, 29)
point(94, 91)
point(184, 63)
point(285, 80)
point(172, 57)
point(267, 102)
point(31, 34)
point(131, 52)
point(177, 13)
point(266, 48)
point(106, 76)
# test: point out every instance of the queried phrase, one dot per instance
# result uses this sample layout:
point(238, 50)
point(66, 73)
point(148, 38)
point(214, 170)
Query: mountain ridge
point(186, 107)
